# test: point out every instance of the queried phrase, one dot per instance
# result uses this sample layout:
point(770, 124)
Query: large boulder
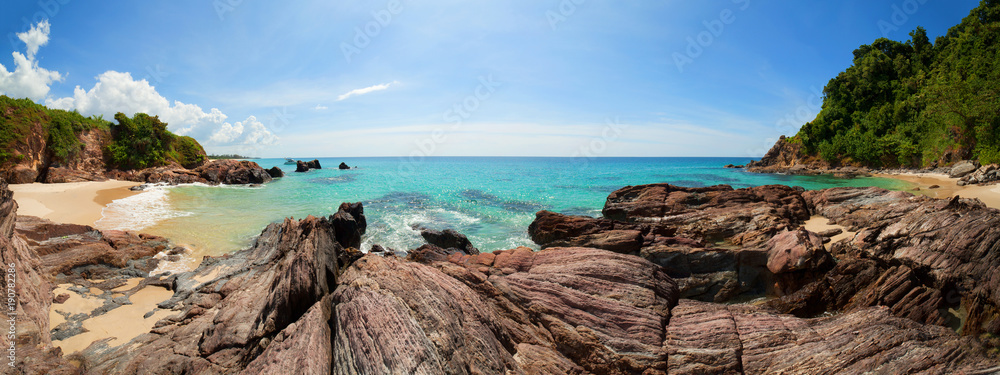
point(343, 166)
point(961, 169)
point(233, 172)
point(797, 250)
point(276, 172)
point(350, 224)
point(449, 239)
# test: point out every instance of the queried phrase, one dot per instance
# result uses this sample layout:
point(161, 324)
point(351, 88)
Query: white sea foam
point(139, 211)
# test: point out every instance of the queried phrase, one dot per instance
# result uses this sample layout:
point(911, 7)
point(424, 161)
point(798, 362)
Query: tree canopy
point(915, 103)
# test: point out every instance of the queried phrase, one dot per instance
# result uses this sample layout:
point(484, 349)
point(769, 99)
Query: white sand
point(989, 194)
point(74, 202)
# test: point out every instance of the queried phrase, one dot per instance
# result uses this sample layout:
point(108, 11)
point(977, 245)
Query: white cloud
point(28, 79)
point(118, 92)
point(366, 90)
point(320, 107)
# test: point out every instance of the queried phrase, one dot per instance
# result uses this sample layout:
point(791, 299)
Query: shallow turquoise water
point(491, 200)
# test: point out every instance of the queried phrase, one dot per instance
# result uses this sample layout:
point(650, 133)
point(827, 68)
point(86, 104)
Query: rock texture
point(984, 175)
point(343, 166)
point(305, 166)
point(230, 172)
point(31, 290)
point(706, 338)
point(449, 239)
point(276, 172)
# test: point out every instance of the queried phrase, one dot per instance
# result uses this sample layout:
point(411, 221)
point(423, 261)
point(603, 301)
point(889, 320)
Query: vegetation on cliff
point(915, 103)
point(139, 142)
point(143, 141)
point(22, 120)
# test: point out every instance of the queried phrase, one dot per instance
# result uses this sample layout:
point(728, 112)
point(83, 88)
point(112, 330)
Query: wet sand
point(75, 202)
point(948, 187)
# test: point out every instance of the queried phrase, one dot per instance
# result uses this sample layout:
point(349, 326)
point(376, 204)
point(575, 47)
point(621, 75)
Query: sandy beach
point(74, 202)
point(948, 187)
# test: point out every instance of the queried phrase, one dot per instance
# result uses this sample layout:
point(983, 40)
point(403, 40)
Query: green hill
point(34, 138)
point(915, 103)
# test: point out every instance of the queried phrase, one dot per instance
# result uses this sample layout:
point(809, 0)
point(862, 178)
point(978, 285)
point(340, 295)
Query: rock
point(305, 166)
point(301, 166)
point(561, 308)
point(934, 186)
point(350, 224)
point(265, 303)
point(22, 268)
point(344, 166)
point(449, 239)
point(705, 338)
point(961, 169)
point(275, 172)
point(233, 172)
point(831, 232)
point(983, 175)
point(733, 166)
point(796, 250)
point(20, 174)
point(60, 175)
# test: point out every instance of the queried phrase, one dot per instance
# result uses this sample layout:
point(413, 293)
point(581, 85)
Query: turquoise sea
point(491, 200)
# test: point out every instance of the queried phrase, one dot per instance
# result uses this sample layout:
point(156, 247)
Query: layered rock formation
point(302, 300)
point(230, 172)
point(928, 261)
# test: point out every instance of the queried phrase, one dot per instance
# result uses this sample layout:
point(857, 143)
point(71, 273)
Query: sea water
point(491, 200)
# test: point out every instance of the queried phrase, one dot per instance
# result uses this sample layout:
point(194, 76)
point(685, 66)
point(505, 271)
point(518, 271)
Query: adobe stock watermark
point(48, 9)
point(455, 116)
point(598, 146)
point(363, 35)
point(563, 11)
point(790, 124)
point(900, 15)
point(155, 74)
point(713, 30)
point(222, 7)
point(11, 281)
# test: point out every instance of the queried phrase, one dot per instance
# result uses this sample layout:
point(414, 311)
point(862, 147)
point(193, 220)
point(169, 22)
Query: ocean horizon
point(492, 200)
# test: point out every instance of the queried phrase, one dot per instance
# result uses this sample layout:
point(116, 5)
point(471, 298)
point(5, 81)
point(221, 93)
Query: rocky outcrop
point(787, 156)
point(258, 303)
point(276, 172)
point(60, 175)
point(230, 172)
point(343, 166)
point(31, 290)
point(706, 338)
point(962, 168)
point(305, 166)
point(448, 239)
point(233, 172)
point(984, 175)
point(562, 310)
point(350, 224)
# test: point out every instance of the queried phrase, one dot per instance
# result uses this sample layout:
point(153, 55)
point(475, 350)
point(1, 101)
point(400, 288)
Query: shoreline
point(947, 187)
point(72, 202)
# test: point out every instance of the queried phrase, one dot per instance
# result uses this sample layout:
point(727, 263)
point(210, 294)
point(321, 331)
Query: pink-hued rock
point(797, 250)
point(706, 338)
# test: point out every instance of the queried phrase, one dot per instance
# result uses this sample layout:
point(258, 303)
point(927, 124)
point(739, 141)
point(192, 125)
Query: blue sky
point(453, 78)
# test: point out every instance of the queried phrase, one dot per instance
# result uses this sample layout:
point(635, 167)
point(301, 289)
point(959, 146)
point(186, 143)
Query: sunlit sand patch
point(819, 224)
point(122, 324)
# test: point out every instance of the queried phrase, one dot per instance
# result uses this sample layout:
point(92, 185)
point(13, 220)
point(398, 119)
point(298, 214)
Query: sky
point(453, 78)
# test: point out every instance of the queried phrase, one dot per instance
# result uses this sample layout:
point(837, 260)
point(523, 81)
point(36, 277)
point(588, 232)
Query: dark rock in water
point(344, 166)
point(350, 224)
point(734, 166)
point(378, 249)
point(304, 166)
point(275, 172)
point(139, 187)
point(301, 166)
point(233, 172)
point(449, 239)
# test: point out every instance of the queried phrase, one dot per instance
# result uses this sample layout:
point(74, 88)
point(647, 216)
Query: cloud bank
point(118, 92)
